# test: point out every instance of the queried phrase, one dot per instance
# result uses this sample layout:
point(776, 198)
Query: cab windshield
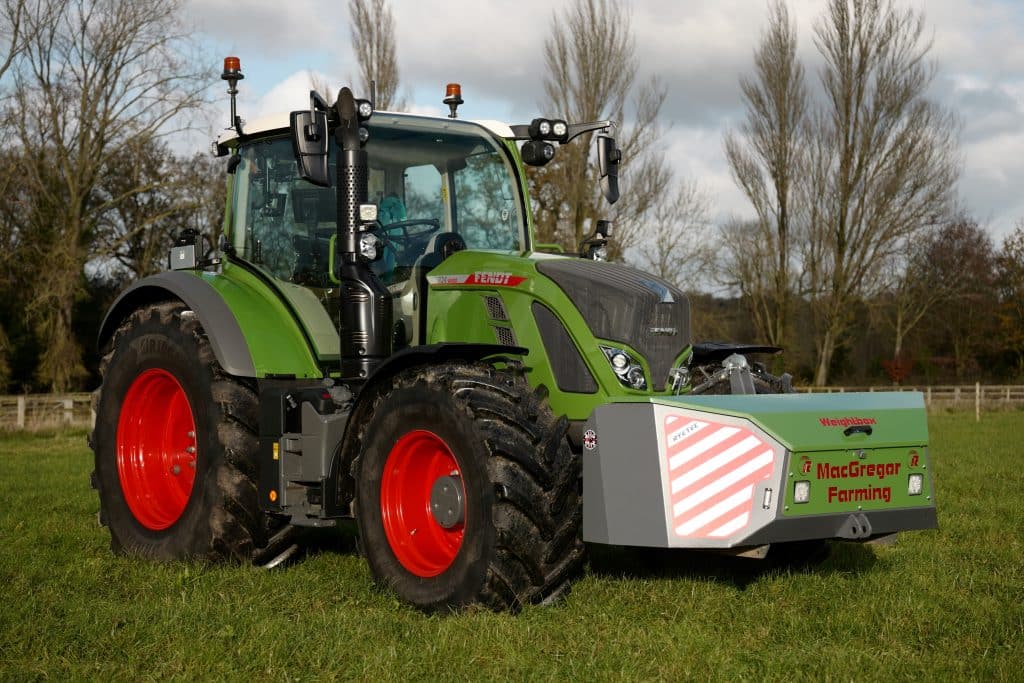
point(426, 176)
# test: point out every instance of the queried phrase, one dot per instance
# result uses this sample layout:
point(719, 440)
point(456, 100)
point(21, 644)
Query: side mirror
point(309, 144)
point(608, 158)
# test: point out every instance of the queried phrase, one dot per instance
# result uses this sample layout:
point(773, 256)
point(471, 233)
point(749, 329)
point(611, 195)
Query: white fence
point(46, 411)
point(967, 396)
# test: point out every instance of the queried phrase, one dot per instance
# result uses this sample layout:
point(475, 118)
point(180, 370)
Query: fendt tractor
point(378, 336)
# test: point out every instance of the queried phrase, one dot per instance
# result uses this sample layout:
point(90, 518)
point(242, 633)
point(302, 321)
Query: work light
point(801, 491)
point(915, 483)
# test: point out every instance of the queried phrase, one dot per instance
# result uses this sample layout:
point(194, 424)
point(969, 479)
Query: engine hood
point(629, 306)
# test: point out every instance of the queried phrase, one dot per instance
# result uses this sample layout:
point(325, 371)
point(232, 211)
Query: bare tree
point(912, 287)
point(322, 86)
point(101, 74)
point(746, 266)
point(882, 159)
point(764, 160)
point(170, 194)
point(19, 19)
point(373, 39)
point(591, 63)
point(962, 254)
point(1010, 272)
point(675, 240)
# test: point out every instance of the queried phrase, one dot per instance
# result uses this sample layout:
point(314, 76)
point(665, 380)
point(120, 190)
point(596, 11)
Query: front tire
point(175, 446)
point(467, 491)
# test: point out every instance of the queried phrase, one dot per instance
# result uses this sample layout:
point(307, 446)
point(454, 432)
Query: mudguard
point(251, 330)
point(722, 472)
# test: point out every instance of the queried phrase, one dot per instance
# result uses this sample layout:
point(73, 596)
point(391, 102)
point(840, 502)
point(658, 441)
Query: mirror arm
point(316, 101)
point(578, 129)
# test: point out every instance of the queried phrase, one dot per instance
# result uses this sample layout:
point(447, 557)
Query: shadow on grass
point(814, 557)
point(738, 572)
point(341, 539)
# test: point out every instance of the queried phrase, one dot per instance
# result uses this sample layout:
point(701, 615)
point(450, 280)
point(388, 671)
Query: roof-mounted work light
point(555, 130)
point(453, 98)
point(232, 74)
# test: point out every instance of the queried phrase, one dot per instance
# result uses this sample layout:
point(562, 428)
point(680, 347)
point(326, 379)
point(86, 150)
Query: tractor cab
point(439, 187)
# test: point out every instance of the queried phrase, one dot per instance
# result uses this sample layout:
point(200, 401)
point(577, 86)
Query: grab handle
point(863, 429)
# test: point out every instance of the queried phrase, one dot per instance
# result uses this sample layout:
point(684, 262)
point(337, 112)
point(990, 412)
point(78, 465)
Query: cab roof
point(279, 122)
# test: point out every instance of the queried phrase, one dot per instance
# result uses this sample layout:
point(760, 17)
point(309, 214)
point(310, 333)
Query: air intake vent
point(495, 307)
point(505, 335)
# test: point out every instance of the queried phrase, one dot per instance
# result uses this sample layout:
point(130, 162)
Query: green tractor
point(378, 337)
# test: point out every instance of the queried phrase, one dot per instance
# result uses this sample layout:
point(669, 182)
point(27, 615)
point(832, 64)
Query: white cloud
point(698, 47)
point(268, 27)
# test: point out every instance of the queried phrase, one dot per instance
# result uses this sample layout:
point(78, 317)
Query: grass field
point(938, 605)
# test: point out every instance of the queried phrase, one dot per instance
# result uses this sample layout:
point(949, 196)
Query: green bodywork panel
point(858, 479)
point(896, 418)
point(278, 346)
point(456, 312)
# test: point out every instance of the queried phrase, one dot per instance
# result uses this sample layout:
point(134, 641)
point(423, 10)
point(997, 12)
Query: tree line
point(858, 260)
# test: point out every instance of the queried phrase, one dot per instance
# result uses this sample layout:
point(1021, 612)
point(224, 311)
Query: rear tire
point(467, 491)
point(175, 444)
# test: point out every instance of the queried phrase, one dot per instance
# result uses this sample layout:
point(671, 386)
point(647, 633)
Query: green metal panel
point(456, 313)
point(851, 480)
point(816, 422)
point(277, 344)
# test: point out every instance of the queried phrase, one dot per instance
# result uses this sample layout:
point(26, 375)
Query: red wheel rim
point(421, 544)
point(156, 449)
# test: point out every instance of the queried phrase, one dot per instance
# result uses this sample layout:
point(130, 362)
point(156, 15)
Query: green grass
point(938, 605)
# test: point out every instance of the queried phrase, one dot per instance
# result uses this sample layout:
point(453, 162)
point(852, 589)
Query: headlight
point(626, 368)
point(369, 246)
point(801, 491)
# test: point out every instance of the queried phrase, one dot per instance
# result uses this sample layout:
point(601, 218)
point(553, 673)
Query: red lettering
point(846, 421)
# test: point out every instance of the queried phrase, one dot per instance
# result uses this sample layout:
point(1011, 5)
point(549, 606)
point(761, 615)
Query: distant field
point(938, 605)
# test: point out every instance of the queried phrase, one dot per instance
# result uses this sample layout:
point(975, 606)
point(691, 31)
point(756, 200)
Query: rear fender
point(250, 330)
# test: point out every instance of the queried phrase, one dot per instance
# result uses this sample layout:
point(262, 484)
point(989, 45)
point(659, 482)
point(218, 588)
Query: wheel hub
point(446, 501)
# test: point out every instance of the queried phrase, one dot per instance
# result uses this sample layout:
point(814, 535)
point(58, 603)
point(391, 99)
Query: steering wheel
point(411, 230)
point(409, 237)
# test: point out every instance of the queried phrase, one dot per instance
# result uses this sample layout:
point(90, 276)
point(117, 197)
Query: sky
point(698, 48)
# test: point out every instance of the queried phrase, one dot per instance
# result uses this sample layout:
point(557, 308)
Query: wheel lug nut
point(192, 464)
point(190, 449)
point(191, 435)
point(176, 469)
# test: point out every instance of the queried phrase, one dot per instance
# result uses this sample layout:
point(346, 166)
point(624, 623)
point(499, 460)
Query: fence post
point(21, 412)
point(977, 401)
point(928, 396)
point(69, 410)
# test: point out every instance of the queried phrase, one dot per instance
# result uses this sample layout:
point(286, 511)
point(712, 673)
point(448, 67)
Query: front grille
point(625, 305)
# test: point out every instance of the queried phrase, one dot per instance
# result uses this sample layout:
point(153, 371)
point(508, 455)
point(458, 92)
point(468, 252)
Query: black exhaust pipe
point(365, 320)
